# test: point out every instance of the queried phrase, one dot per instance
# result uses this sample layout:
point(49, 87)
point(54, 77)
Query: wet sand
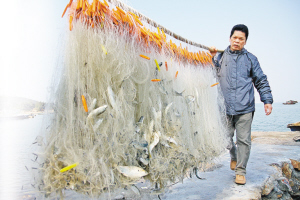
point(276, 138)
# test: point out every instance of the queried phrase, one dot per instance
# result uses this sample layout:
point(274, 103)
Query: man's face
point(237, 41)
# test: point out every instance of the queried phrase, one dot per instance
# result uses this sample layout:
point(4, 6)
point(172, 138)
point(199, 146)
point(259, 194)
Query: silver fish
point(178, 93)
point(197, 96)
point(162, 88)
point(97, 124)
point(132, 172)
point(144, 161)
point(177, 114)
point(93, 104)
point(141, 146)
point(167, 108)
point(97, 111)
point(169, 139)
point(135, 190)
point(164, 143)
point(156, 136)
point(111, 97)
point(139, 124)
point(190, 98)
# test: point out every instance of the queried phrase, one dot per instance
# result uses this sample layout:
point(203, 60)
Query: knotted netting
point(129, 104)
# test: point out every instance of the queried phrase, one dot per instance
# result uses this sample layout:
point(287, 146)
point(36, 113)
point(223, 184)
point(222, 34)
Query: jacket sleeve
point(261, 83)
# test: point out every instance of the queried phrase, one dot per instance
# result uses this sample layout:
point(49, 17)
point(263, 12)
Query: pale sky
point(33, 31)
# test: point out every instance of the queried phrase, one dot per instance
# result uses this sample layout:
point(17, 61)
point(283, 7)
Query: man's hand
point(213, 51)
point(268, 109)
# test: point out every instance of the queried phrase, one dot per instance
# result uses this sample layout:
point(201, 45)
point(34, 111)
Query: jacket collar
point(243, 51)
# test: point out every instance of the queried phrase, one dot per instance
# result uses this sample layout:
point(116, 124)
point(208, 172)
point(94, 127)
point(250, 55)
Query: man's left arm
point(262, 85)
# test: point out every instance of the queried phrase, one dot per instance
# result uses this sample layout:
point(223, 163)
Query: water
point(17, 160)
point(17, 136)
point(281, 116)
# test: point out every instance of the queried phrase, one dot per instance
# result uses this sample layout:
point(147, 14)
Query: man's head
point(238, 37)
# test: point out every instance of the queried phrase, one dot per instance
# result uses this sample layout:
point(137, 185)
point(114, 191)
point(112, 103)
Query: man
point(238, 70)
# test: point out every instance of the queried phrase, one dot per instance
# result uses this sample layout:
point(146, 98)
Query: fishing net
point(129, 104)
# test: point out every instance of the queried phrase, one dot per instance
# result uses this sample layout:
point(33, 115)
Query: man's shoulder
point(250, 55)
point(218, 56)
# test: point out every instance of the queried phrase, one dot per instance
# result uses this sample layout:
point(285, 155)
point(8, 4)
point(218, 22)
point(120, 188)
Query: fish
point(197, 96)
point(135, 190)
point(151, 125)
point(111, 97)
point(177, 114)
point(93, 104)
point(164, 143)
point(169, 139)
point(190, 98)
point(178, 93)
point(156, 136)
point(156, 115)
point(97, 124)
point(139, 124)
point(141, 119)
point(132, 172)
point(97, 111)
point(162, 88)
point(147, 133)
point(144, 161)
point(141, 146)
point(112, 176)
point(167, 108)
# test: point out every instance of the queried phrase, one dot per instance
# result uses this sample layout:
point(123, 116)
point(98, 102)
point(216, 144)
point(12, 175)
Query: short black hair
point(240, 27)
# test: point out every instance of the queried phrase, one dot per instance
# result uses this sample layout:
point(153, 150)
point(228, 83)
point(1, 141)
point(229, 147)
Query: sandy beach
point(276, 138)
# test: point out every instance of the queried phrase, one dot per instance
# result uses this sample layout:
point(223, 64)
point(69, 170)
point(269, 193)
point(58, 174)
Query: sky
point(33, 34)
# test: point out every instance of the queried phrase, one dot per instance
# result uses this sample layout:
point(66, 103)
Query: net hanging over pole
point(129, 105)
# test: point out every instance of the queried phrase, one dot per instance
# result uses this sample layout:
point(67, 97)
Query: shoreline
point(24, 115)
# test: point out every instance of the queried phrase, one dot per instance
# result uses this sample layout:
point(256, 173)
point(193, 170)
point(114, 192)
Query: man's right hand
point(213, 51)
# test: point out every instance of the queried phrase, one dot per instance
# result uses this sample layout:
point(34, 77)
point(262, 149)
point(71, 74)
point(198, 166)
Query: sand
point(276, 138)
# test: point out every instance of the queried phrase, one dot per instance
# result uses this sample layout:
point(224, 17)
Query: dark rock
point(284, 185)
point(296, 174)
point(268, 186)
point(295, 184)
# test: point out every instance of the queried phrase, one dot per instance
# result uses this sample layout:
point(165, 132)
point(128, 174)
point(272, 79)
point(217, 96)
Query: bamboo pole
point(153, 23)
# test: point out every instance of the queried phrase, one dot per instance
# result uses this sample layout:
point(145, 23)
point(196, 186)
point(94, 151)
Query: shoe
point(232, 164)
point(240, 179)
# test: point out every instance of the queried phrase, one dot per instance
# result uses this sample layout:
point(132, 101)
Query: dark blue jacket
point(238, 71)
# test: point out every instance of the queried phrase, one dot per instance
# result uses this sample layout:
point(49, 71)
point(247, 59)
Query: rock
point(296, 164)
point(284, 185)
point(278, 168)
point(287, 171)
point(274, 194)
point(268, 186)
point(295, 184)
point(296, 174)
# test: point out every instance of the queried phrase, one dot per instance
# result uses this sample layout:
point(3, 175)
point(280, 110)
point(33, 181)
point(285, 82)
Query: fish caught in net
point(129, 104)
